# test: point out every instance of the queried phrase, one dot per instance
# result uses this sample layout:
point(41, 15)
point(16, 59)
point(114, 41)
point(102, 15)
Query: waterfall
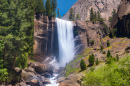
point(65, 40)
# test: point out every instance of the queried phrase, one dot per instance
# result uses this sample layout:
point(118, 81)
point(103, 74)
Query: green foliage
point(113, 33)
point(91, 42)
point(101, 48)
point(71, 16)
point(91, 60)
point(97, 62)
point(108, 54)
point(77, 17)
point(115, 74)
point(92, 69)
point(53, 7)
point(108, 43)
point(103, 52)
point(82, 65)
point(39, 7)
point(58, 13)
point(22, 61)
point(48, 8)
point(117, 57)
point(16, 28)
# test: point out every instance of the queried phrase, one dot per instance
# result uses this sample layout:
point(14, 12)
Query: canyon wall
point(121, 20)
point(43, 37)
point(83, 7)
point(46, 38)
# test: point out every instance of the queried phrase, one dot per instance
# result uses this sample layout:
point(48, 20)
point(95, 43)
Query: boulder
point(127, 50)
point(22, 84)
point(46, 81)
point(46, 75)
point(34, 82)
point(28, 76)
point(72, 80)
point(29, 69)
point(17, 69)
point(40, 68)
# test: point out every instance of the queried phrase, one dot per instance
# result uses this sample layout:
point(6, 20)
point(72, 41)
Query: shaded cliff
point(83, 7)
point(121, 20)
point(43, 37)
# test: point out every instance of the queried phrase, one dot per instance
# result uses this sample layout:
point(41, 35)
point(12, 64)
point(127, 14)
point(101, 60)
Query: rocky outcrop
point(71, 80)
point(36, 75)
point(84, 32)
point(43, 37)
point(121, 20)
point(83, 7)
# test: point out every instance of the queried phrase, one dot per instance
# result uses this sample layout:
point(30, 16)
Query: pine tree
point(82, 65)
point(53, 7)
point(71, 16)
point(39, 7)
point(91, 59)
point(108, 54)
point(58, 13)
point(91, 15)
point(77, 17)
point(48, 8)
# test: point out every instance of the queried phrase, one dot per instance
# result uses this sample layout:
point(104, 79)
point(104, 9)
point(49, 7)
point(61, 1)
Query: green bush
point(115, 74)
point(92, 69)
point(82, 65)
point(91, 42)
point(117, 57)
point(101, 48)
point(103, 52)
point(108, 43)
point(108, 54)
point(91, 60)
point(97, 62)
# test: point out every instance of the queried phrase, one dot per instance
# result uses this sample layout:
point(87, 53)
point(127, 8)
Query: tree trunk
point(14, 61)
point(4, 55)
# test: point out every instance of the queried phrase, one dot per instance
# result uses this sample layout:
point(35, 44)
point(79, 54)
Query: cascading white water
point(65, 40)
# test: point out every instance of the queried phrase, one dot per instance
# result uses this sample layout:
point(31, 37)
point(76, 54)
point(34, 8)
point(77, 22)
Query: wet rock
point(34, 82)
point(46, 81)
point(40, 68)
point(60, 79)
point(46, 75)
point(22, 84)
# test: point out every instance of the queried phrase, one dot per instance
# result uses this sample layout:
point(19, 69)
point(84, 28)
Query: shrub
point(92, 69)
point(82, 65)
point(97, 62)
point(101, 48)
point(91, 60)
point(108, 54)
point(115, 74)
point(92, 42)
point(103, 52)
point(117, 57)
point(108, 43)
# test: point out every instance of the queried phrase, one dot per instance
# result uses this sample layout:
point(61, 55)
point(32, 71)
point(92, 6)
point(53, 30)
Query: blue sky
point(64, 5)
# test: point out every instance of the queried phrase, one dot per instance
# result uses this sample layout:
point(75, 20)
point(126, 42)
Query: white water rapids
point(66, 41)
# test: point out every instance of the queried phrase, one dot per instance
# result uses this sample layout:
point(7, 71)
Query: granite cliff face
point(43, 37)
point(83, 7)
point(46, 39)
point(121, 20)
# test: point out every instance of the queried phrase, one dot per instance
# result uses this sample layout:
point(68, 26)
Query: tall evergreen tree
point(58, 13)
point(71, 16)
point(48, 8)
point(91, 15)
point(39, 7)
point(77, 17)
point(54, 6)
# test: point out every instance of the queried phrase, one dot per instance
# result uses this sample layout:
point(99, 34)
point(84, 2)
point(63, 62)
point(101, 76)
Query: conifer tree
point(48, 8)
point(77, 17)
point(91, 15)
point(71, 16)
point(54, 6)
point(58, 13)
point(39, 7)
point(82, 65)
